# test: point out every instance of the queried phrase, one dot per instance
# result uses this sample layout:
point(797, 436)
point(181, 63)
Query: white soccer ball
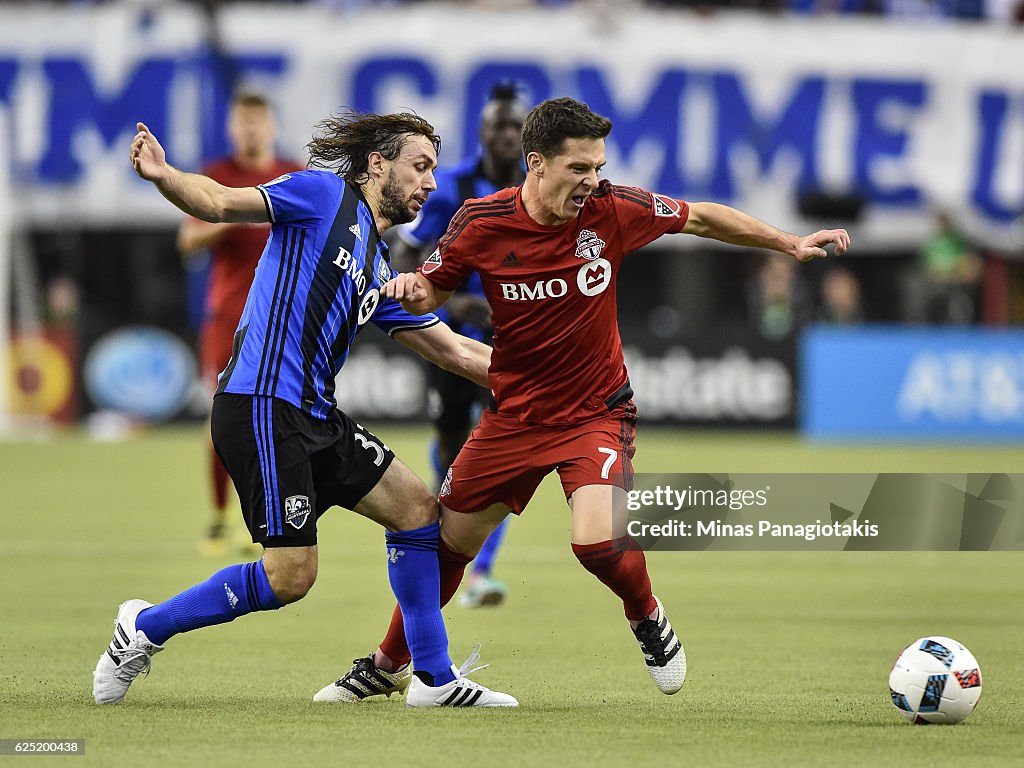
point(935, 680)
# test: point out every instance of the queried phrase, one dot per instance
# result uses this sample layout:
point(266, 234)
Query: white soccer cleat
point(664, 654)
point(460, 692)
point(363, 681)
point(129, 653)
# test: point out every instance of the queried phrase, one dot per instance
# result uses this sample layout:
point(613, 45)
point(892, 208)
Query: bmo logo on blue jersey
point(592, 279)
point(351, 268)
point(369, 305)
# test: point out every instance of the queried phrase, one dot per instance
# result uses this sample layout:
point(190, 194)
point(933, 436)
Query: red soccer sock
point(219, 477)
point(621, 566)
point(451, 566)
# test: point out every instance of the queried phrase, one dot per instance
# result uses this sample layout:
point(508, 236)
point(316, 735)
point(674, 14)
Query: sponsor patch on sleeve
point(383, 272)
point(432, 262)
point(665, 206)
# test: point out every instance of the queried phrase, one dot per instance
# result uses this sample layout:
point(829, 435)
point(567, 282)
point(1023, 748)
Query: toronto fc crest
point(589, 245)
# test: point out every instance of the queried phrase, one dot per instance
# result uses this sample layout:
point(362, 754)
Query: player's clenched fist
point(414, 292)
point(405, 287)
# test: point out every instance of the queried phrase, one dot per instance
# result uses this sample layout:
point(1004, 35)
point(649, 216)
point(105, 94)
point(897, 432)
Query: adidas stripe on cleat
point(363, 681)
point(129, 653)
point(460, 692)
point(664, 654)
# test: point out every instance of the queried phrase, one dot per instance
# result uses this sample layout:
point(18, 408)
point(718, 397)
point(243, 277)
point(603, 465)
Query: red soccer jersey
point(557, 352)
point(234, 256)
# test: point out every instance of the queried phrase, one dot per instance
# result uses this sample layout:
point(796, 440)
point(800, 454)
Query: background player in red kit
point(234, 251)
point(548, 253)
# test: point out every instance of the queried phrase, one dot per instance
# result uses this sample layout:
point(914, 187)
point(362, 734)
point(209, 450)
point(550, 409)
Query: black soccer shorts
point(289, 467)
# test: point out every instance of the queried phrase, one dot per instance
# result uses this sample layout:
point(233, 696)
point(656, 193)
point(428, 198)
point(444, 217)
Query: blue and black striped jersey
point(316, 285)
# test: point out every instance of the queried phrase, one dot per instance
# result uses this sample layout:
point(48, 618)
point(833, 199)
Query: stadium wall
point(728, 380)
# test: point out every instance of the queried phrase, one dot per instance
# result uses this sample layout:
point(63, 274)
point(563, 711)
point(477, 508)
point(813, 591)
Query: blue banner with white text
point(740, 109)
point(912, 384)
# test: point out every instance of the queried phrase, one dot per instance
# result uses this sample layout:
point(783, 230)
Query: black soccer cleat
point(664, 654)
point(363, 681)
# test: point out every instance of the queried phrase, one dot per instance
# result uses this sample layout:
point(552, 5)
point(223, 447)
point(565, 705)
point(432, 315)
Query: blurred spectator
point(62, 302)
point(234, 251)
point(840, 298)
point(778, 302)
point(945, 288)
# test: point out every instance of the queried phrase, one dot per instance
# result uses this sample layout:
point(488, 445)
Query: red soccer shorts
point(504, 460)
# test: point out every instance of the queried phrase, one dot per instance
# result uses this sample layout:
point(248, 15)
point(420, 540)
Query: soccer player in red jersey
point(234, 251)
point(548, 253)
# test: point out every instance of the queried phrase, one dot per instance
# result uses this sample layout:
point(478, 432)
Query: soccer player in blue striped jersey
point(291, 453)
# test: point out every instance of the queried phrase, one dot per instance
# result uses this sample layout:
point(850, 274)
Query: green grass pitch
point(789, 653)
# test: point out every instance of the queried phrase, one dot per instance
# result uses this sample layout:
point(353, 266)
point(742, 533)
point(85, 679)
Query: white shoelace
point(132, 662)
point(467, 667)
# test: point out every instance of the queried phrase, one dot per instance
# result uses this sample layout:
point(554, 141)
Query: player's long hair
point(343, 143)
point(553, 121)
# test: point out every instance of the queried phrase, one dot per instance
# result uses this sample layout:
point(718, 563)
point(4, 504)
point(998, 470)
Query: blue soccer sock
point(483, 563)
point(416, 582)
point(229, 593)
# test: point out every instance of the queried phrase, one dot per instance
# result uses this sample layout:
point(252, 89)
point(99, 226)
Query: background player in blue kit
point(455, 402)
point(290, 452)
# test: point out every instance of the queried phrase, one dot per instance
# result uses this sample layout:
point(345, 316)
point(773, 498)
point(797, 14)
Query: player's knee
point(600, 559)
point(459, 548)
point(422, 509)
point(294, 587)
point(293, 583)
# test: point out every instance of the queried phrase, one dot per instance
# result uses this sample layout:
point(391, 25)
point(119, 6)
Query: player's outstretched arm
point(196, 195)
point(720, 222)
point(452, 351)
point(415, 293)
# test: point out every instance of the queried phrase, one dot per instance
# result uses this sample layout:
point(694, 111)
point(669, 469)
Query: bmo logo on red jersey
point(592, 279)
point(542, 289)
